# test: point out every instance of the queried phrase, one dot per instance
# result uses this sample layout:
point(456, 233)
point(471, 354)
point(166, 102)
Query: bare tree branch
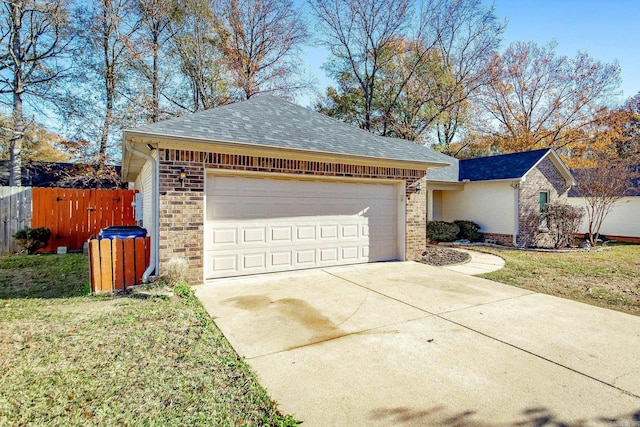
point(31, 40)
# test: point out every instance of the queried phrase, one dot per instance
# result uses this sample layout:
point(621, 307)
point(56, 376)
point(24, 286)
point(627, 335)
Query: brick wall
point(416, 219)
point(545, 177)
point(182, 203)
point(499, 239)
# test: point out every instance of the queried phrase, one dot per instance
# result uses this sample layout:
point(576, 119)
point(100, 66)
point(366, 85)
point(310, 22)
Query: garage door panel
point(253, 261)
point(349, 231)
point(254, 235)
point(306, 232)
point(328, 232)
point(329, 255)
point(223, 236)
point(306, 257)
point(224, 263)
point(282, 259)
point(364, 252)
point(256, 225)
point(281, 234)
point(349, 253)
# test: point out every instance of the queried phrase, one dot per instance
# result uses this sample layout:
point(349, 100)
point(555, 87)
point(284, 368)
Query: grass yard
point(150, 358)
point(609, 278)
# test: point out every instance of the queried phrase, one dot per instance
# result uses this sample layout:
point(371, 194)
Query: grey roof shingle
point(270, 121)
point(447, 174)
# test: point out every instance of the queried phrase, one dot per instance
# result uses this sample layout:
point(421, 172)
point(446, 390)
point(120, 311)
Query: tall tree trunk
point(109, 75)
point(15, 143)
point(155, 100)
point(108, 117)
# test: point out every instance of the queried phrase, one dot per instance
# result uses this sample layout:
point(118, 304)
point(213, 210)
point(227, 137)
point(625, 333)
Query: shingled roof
point(268, 121)
point(446, 174)
point(503, 166)
point(494, 168)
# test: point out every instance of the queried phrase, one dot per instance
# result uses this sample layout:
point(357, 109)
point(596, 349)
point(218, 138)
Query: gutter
point(291, 153)
point(155, 252)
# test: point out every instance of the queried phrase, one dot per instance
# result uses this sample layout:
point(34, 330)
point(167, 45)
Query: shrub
point(562, 221)
point(176, 271)
point(32, 239)
point(442, 231)
point(468, 230)
point(184, 291)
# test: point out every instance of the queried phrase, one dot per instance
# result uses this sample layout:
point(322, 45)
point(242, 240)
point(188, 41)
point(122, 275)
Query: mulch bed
point(439, 256)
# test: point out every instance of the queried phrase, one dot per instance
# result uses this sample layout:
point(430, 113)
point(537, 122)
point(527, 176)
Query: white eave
point(559, 164)
point(131, 166)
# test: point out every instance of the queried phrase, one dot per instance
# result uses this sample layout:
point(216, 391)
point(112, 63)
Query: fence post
point(15, 214)
point(94, 265)
point(117, 264)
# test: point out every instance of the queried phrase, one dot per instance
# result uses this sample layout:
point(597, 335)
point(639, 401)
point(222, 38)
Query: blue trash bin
point(122, 232)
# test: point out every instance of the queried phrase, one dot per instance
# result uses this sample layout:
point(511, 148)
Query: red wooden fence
point(73, 215)
point(117, 264)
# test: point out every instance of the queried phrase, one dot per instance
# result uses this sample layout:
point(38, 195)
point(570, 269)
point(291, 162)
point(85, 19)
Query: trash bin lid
point(122, 232)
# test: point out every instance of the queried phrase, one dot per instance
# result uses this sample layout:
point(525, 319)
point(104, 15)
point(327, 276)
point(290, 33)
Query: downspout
point(153, 261)
point(516, 213)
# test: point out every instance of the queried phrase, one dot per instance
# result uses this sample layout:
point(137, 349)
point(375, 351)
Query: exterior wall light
point(182, 176)
point(418, 188)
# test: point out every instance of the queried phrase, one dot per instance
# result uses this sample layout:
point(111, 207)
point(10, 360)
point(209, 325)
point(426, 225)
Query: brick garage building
point(265, 185)
point(504, 194)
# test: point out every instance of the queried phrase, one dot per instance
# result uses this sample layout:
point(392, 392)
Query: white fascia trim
point(409, 163)
point(557, 161)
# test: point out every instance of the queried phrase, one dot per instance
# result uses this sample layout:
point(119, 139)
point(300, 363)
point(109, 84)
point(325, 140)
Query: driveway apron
point(405, 343)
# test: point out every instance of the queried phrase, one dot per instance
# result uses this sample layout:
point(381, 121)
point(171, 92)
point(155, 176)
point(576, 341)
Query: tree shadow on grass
point(44, 276)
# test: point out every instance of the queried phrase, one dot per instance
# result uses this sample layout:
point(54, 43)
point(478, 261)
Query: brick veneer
point(182, 203)
point(500, 239)
point(545, 177)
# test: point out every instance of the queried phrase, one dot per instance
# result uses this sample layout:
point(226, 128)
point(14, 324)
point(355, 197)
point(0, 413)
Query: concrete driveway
point(409, 344)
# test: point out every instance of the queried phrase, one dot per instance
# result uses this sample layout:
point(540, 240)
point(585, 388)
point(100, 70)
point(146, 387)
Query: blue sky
point(607, 30)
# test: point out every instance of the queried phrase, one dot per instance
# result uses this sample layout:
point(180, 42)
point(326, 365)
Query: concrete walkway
point(479, 263)
point(408, 344)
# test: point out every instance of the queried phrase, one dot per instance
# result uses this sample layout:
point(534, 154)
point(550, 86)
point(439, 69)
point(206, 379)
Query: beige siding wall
point(490, 205)
point(437, 205)
point(623, 219)
point(144, 184)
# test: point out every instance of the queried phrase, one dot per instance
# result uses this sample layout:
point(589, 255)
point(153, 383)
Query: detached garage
point(265, 185)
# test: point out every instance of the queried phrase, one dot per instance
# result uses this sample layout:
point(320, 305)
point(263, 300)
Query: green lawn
point(609, 278)
point(150, 358)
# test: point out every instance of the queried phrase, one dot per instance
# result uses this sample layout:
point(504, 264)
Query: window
point(544, 199)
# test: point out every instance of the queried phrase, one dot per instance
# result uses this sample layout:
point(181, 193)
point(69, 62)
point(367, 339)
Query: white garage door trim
point(247, 233)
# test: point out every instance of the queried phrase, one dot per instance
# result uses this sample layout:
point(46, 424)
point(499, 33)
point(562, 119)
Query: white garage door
point(258, 225)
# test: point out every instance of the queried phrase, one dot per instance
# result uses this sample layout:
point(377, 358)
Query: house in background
point(63, 175)
point(622, 223)
point(503, 194)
